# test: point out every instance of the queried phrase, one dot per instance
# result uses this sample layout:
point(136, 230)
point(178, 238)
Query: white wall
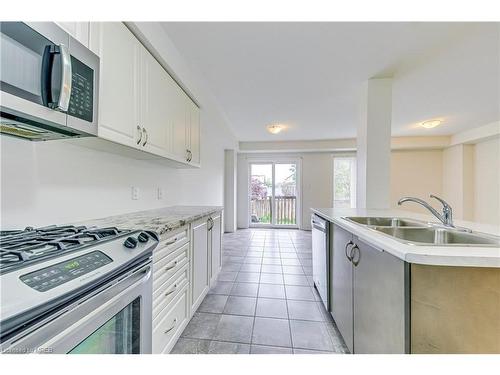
point(416, 173)
point(487, 182)
point(56, 182)
point(230, 190)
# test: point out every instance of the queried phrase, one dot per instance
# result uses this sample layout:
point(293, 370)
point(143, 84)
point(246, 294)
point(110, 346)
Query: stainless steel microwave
point(48, 83)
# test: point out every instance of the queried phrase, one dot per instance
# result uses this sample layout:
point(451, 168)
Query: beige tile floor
point(264, 301)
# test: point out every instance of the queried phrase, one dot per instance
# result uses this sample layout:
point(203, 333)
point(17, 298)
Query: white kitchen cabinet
point(193, 126)
point(140, 104)
point(180, 130)
point(200, 262)
point(119, 90)
point(215, 243)
point(157, 105)
point(78, 30)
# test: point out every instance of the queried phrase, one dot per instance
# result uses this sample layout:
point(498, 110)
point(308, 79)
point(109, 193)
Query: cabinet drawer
point(168, 266)
point(167, 327)
point(167, 292)
point(171, 243)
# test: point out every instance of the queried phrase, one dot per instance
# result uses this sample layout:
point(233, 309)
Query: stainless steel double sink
point(418, 232)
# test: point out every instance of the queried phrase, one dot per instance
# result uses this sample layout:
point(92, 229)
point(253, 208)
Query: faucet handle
point(443, 202)
point(447, 211)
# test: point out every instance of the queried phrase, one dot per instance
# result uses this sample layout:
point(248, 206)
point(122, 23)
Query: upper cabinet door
point(119, 52)
point(180, 128)
point(78, 30)
point(194, 132)
point(157, 105)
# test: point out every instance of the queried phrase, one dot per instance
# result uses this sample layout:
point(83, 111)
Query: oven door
point(116, 320)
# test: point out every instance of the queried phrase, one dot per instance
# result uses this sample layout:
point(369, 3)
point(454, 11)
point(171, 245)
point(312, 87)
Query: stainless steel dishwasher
point(321, 257)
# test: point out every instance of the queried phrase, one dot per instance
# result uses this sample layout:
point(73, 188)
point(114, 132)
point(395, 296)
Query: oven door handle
point(56, 97)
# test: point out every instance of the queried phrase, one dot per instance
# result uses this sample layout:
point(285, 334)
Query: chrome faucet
point(446, 217)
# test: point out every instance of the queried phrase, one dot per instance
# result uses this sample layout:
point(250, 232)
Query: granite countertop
point(160, 220)
point(471, 256)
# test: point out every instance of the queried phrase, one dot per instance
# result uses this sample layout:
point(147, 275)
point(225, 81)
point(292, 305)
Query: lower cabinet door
point(216, 245)
point(341, 286)
point(380, 301)
point(168, 326)
point(200, 262)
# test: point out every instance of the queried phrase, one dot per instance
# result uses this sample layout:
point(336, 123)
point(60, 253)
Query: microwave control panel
point(82, 91)
point(57, 274)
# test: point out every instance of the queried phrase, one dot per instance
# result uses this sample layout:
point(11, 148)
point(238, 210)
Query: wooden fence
point(285, 210)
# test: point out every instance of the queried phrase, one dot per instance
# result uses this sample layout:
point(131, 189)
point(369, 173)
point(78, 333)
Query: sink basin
point(439, 236)
point(386, 221)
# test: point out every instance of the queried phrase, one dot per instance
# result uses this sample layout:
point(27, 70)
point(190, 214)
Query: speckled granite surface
point(159, 220)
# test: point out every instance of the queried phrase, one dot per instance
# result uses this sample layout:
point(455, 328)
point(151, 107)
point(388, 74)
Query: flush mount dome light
point(275, 128)
point(430, 124)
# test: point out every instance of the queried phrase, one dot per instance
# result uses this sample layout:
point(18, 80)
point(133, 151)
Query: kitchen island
point(391, 296)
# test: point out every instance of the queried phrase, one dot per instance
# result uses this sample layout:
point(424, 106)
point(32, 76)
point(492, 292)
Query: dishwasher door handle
point(321, 229)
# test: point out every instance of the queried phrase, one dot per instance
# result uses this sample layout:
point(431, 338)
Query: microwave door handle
point(66, 79)
point(49, 93)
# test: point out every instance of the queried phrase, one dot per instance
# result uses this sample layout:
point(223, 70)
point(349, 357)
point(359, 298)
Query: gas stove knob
point(130, 242)
point(143, 237)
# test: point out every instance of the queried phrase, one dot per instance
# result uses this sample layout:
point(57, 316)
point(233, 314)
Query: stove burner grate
point(22, 247)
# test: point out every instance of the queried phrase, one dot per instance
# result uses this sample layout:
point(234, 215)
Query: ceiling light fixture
point(430, 124)
point(275, 129)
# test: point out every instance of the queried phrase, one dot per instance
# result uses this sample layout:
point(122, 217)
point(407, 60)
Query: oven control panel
point(57, 274)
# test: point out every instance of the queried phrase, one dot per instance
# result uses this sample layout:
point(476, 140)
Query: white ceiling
point(309, 75)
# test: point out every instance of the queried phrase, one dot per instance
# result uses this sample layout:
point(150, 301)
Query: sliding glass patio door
point(273, 194)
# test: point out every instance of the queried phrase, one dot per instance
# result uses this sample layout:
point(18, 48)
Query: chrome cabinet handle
point(174, 323)
point(140, 134)
point(147, 136)
point(354, 251)
point(171, 291)
point(171, 242)
point(350, 243)
point(170, 267)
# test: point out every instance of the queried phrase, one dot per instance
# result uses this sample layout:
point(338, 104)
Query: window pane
point(261, 180)
point(344, 182)
point(285, 191)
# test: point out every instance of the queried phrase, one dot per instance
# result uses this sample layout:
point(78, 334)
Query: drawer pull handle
point(171, 242)
point(170, 267)
point(173, 326)
point(171, 291)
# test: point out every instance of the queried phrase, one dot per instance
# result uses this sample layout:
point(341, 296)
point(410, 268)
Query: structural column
point(374, 145)
point(229, 191)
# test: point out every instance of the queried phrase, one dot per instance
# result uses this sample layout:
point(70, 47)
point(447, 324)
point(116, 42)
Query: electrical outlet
point(159, 193)
point(135, 193)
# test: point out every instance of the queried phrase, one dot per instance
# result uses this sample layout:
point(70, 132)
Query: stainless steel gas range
point(76, 290)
